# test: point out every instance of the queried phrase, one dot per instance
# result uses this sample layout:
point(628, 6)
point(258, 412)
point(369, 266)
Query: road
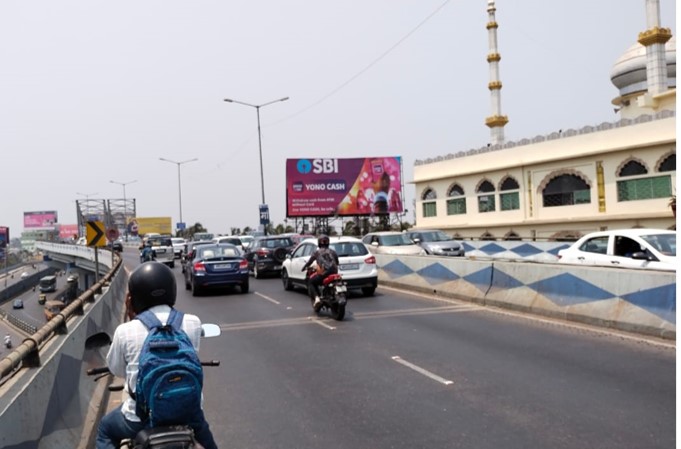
point(412, 371)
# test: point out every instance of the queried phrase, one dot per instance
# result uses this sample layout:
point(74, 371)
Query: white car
point(356, 264)
point(392, 242)
point(178, 246)
point(626, 248)
point(163, 250)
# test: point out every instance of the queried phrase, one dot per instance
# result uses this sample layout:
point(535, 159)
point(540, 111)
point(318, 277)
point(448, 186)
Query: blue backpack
point(170, 376)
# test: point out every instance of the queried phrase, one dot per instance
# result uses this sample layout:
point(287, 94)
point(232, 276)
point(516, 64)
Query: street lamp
point(125, 205)
point(257, 110)
point(179, 179)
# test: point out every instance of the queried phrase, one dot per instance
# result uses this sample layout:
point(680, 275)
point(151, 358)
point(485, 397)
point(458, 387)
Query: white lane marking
point(323, 324)
point(420, 370)
point(268, 298)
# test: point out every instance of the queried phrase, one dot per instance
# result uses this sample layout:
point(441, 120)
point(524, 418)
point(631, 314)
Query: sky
point(94, 92)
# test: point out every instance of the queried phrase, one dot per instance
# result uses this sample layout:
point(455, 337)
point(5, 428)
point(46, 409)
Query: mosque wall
point(519, 181)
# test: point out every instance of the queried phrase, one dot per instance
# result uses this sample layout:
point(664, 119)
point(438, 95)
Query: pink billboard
point(68, 231)
point(43, 219)
point(327, 187)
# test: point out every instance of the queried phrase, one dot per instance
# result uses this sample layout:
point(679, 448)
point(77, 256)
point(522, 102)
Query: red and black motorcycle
point(333, 295)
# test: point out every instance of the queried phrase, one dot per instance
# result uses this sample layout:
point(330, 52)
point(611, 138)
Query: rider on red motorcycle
point(327, 264)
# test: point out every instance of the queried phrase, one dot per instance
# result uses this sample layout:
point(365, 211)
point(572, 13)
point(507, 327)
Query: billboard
point(144, 225)
point(327, 187)
point(68, 231)
point(4, 240)
point(40, 220)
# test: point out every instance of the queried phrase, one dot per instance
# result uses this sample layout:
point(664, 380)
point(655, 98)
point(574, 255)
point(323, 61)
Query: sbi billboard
point(327, 187)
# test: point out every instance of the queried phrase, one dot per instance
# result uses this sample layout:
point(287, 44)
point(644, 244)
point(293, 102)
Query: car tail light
point(199, 266)
point(370, 260)
point(263, 252)
point(243, 264)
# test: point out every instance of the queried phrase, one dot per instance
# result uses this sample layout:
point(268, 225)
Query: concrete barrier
point(639, 301)
point(52, 405)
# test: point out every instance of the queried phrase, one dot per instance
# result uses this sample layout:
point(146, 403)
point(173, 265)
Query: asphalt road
point(410, 371)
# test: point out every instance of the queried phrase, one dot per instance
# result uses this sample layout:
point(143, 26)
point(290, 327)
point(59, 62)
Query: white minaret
point(496, 121)
point(654, 40)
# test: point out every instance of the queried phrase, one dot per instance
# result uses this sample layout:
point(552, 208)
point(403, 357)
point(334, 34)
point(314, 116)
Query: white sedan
point(356, 264)
point(626, 248)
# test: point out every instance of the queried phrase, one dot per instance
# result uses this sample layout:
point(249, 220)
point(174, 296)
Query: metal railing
point(27, 354)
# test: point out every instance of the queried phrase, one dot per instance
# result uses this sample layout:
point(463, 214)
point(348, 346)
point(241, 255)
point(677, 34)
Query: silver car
point(437, 243)
point(392, 242)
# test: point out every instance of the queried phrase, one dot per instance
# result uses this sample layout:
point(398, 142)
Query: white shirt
point(123, 356)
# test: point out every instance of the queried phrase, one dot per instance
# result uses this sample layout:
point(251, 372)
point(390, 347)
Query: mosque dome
point(628, 73)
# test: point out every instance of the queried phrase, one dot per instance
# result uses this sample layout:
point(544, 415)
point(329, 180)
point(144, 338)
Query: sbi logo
point(317, 166)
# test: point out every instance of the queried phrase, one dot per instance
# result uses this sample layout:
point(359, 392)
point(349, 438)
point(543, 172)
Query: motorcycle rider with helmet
point(151, 286)
point(327, 264)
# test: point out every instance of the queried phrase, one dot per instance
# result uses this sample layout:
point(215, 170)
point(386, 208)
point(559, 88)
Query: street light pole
point(125, 205)
point(179, 178)
point(257, 110)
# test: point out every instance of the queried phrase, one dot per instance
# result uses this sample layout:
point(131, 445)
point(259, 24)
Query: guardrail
point(27, 353)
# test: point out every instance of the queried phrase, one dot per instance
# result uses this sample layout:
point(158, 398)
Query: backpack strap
point(175, 319)
point(148, 318)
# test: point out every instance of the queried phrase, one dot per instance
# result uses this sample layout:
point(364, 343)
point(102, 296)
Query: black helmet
point(323, 241)
point(151, 284)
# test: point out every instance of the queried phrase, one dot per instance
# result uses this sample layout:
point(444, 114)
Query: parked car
point(188, 252)
point(266, 254)
point(392, 242)
point(437, 243)
point(627, 248)
point(178, 246)
point(216, 265)
point(18, 304)
point(356, 264)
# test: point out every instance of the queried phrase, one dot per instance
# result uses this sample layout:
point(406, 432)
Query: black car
point(266, 254)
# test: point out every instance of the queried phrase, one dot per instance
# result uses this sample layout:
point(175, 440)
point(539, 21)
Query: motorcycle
point(162, 437)
point(8, 342)
point(333, 295)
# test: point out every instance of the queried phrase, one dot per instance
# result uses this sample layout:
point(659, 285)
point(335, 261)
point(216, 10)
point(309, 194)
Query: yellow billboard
point(144, 225)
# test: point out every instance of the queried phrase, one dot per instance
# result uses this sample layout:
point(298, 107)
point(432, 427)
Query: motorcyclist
point(8, 341)
point(150, 286)
point(327, 264)
point(147, 253)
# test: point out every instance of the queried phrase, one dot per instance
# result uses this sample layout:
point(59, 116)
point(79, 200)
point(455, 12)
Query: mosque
point(566, 184)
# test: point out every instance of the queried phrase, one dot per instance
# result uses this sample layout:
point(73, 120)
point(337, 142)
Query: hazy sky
point(98, 91)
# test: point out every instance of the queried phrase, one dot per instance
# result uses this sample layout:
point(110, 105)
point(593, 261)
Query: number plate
point(223, 266)
point(349, 266)
point(160, 251)
point(341, 289)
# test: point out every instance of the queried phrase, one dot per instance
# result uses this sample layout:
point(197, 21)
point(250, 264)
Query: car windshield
point(349, 249)
point(177, 241)
point(396, 240)
point(664, 243)
point(160, 242)
point(435, 236)
point(276, 243)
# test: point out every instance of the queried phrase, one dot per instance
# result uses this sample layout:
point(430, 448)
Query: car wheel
point(368, 291)
point(244, 287)
point(288, 285)
point(171, 264)
point(195, 290)
point(187, 284)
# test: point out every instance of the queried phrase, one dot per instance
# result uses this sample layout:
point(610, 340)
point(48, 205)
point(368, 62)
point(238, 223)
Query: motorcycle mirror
point(210, 330)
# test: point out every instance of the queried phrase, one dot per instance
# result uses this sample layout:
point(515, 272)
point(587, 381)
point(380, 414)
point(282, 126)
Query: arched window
point(456, 200)
point(638, 186)
point(509, 198)
point(487, 236)
point(429, 206)
point(633, 168)
point(669, 164)
point(566, 190)
point(512, 236)
point(485, 193)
